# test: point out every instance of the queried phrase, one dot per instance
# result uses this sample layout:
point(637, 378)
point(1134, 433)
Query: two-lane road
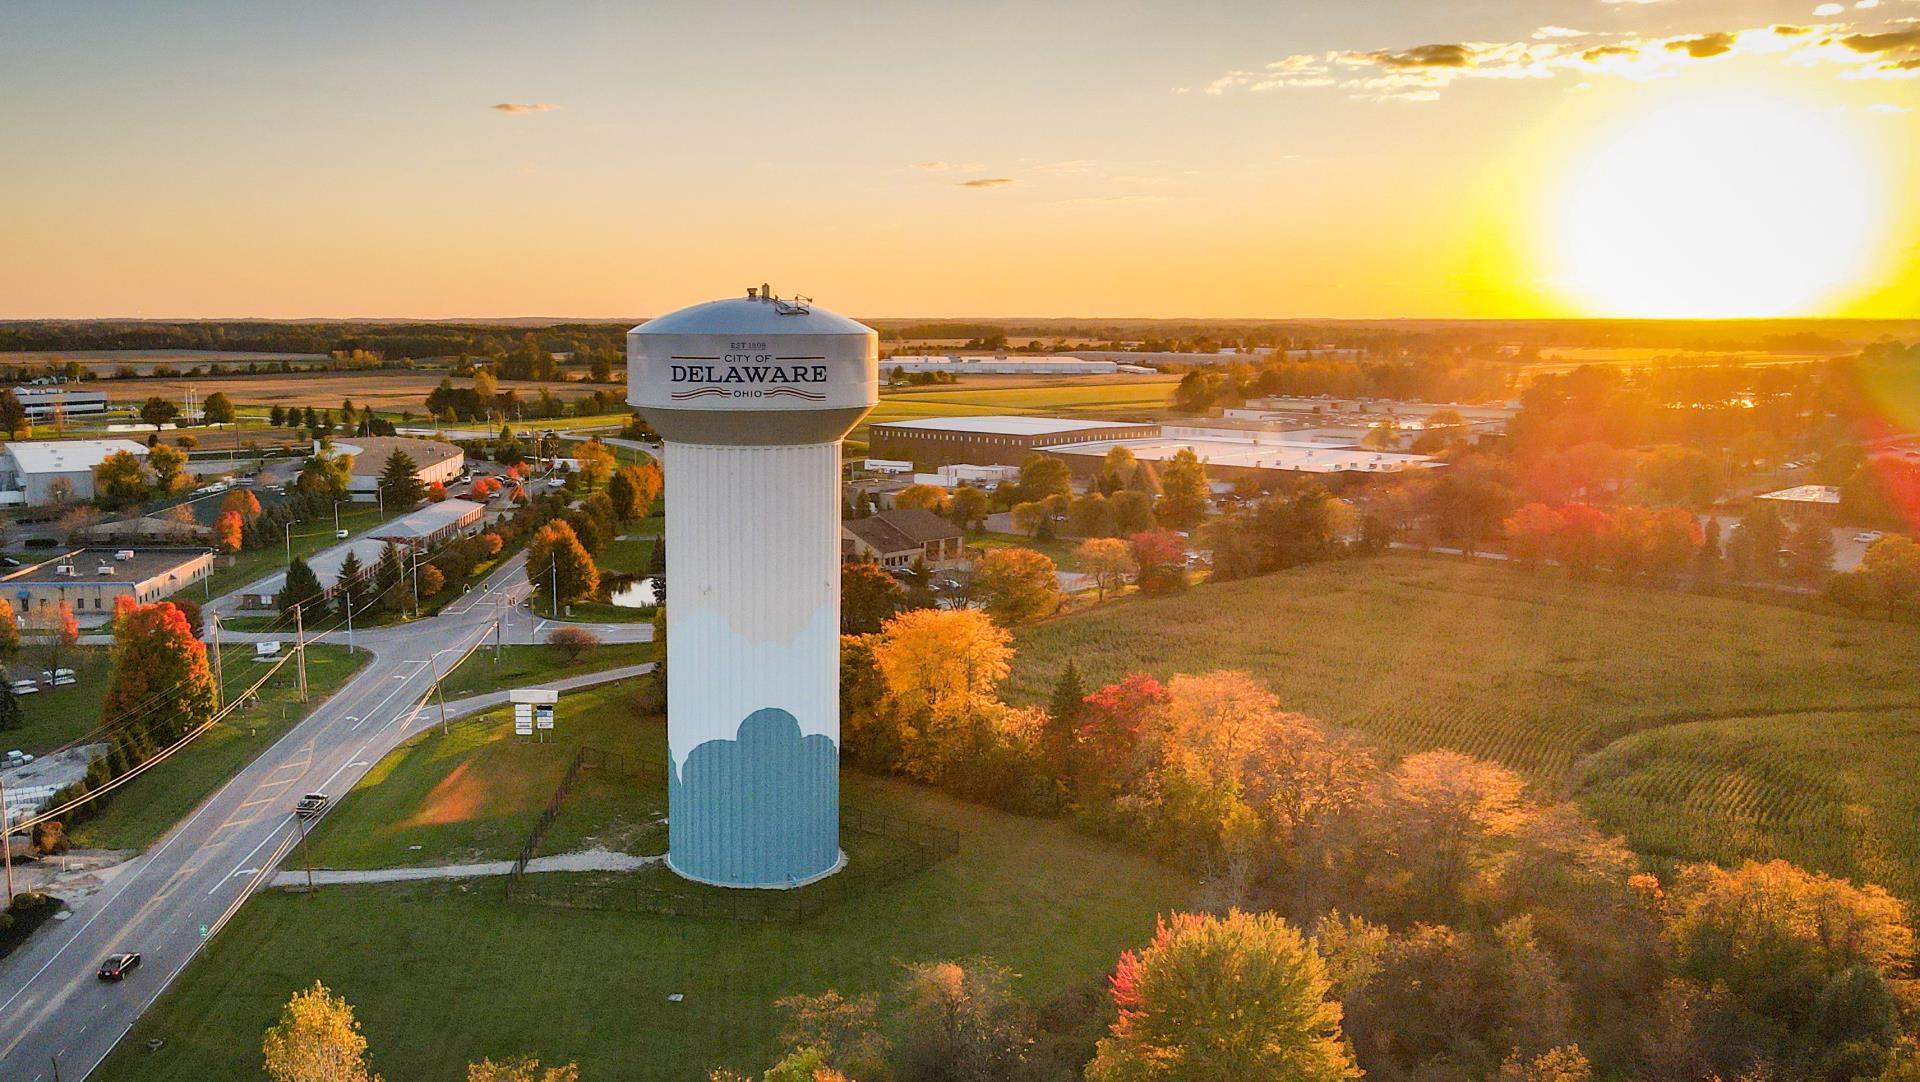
point(52, 1007)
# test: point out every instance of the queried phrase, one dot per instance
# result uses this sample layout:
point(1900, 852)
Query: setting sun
point(1718, 207)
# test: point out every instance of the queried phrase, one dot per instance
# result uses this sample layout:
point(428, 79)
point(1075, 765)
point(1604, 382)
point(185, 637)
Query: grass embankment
point(473, 793)
point(592, 986)
point(1700, 728)
point(1059, 549)
point(143, 809)
point(525, 665)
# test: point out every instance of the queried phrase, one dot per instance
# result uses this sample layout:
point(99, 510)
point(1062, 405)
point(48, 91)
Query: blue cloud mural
point(760, 810)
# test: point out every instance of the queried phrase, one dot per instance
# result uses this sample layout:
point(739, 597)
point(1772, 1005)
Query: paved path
point(592, 860)
point(200, 872)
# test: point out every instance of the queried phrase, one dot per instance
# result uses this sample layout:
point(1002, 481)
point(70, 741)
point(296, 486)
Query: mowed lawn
point(524, 664)
point(473, 793)
point(1532, 671)
point(53, 716)
point(444, 973)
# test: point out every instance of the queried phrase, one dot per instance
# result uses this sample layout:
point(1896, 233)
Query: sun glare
point(1719, 207)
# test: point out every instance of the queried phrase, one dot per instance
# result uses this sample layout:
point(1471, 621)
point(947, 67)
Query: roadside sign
point(203, 931)
point(543, 715)
point(523, 719)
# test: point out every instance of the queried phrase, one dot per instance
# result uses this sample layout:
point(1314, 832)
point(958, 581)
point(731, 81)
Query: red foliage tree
point(1112, 720)
point(228, 531)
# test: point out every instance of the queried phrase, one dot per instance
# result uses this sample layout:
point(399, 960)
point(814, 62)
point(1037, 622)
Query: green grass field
point(1531, 671)
point(52, 716)
point(1699, 728)
point(1059, 550)
point(1832, 791)
point(591, 986)
point(521, 665)
point(632, 554)
point(1136, 395)
point(473, 793)
point(146, 807)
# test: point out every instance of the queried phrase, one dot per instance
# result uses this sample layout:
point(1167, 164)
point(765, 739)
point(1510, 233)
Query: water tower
point(752, 397)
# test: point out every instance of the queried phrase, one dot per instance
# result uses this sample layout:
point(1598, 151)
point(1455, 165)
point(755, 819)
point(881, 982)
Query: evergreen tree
point(400, 481)
point(301, 588)
point(390, 579)
point(350, 594)
point(1064, 712)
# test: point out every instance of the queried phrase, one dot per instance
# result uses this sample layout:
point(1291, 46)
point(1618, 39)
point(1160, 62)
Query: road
point(56, 1011)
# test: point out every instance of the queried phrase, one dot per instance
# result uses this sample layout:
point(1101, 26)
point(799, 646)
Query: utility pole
point(553, 585)
point(434, 660)
point(219, 679)
point(300, 648)
point(306, 858)
point(6, 839)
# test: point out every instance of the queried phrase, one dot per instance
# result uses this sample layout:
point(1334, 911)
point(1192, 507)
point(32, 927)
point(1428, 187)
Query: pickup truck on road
point(311, 805)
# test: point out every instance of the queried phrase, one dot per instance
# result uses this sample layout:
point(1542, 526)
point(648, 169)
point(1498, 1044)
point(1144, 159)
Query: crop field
point(1118, 394)
point(389, 391)
point(1056, 906)
point(1534, 672)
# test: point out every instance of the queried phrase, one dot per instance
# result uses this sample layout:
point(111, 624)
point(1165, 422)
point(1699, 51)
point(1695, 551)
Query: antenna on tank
point(752, 293)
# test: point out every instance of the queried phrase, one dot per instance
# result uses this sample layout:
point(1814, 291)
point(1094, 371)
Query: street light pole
point(6, 840)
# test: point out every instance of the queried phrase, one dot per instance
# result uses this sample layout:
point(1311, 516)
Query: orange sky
point(1123, 160)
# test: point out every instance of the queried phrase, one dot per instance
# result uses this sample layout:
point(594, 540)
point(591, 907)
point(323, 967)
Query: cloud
point(1891, 41)
point(988, 182)
point(1424, 56)
point(1888, 107)
point(517, 107)
point(1706, 46)
point(1825, 10)
point(946, 167)
point(1423, 72)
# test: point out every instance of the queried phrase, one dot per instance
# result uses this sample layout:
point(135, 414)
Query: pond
point(638, 593)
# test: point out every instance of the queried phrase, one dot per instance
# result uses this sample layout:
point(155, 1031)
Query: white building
point(425, 529)
point(434, 461)
point(1044, 364)
point(43, 403)
point(32, 471)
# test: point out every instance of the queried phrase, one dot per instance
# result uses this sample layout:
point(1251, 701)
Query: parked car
point(117, 967)
point(340, 535)
point(1868, 537)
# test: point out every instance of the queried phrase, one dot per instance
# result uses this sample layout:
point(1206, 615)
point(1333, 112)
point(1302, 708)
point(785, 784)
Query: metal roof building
point(30, 469)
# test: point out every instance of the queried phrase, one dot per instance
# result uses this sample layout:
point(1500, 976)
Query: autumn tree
point(869, 597)
point(926, 497)
point(13, 415)
point(559, 566)
point(1090, 515)
point(217, 409)
point(524, 1069)
point(844, 1031)
point(1161, 556)
point(1109, 560)
point(1243, 996)
point(10, 717)
point(56, 630)
point(229, 532)
point(596, 463)
point(573, 643)
point(1029, 516)
point(939, 669)
point(1132, 512)
point(961, 1022)
point(161, 687)
point(633, 490)
point(242, 502)
point(158, 412)
point(1116, 470)
point(1016, 584)
point(967, 506)
point(1183, 491)
point(316, 1040)
point(120, 479)
point(325, 475)
point(1042, 476)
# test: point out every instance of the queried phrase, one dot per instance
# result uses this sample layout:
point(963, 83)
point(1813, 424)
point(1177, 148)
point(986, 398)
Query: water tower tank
point(752, 397)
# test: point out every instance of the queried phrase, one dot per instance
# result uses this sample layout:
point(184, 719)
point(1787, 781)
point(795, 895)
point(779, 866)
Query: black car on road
point(118, 966)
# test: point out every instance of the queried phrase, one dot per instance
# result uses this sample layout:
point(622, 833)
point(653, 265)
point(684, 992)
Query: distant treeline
point(1462, 339)
point(393, 341)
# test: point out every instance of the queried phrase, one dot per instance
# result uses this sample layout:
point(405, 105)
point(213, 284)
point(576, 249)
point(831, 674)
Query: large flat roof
point(373, 544)
point(1009, 425)
point(370, 453)
point(1259, 456)
point(68, 456)
point(145, 564)
point(1827, 494)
